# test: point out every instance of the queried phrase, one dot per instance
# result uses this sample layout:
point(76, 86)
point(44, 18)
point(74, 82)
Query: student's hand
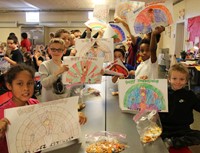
point(144, 77)
point(117, 19)
point(73, 52)
point(6, 58)
point(62, 69)
point(3, 127)
point(121, 77)
point(131, 72)
point(82, 118)
point(158, 30)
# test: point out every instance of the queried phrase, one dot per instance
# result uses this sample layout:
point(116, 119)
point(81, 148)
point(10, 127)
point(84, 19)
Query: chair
point(181, 150)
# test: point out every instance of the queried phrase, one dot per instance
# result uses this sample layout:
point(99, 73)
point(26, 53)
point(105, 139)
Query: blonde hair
point(180, 68)
point(57, 40)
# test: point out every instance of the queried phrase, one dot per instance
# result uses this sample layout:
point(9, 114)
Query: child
point(20, 81)
point(148, 69)
point(176, 123)
point(120, 53)
point(51, 71)
point(15, 55)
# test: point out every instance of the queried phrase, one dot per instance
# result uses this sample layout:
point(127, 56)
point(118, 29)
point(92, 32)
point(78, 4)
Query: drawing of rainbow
point(119, 31)
point(96, 24)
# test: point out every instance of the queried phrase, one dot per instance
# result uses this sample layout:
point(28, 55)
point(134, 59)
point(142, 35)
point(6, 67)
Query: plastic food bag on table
point(148, 125)
point(105, 142)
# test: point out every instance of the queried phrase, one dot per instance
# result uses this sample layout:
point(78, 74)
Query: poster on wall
point(135, 95)
point(41, 126)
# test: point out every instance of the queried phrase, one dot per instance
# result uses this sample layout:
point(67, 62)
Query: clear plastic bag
point(105, 142)
point(148, 125)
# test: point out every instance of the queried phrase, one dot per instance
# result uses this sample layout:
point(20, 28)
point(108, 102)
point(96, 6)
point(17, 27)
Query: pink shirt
point(10, 104)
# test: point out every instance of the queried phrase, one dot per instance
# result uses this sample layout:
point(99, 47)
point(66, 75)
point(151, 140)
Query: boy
point(15, 55)
point(176, 123)
point(148, 68)
point(120, 53)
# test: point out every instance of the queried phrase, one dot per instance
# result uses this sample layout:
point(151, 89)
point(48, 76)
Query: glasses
point(59, 50)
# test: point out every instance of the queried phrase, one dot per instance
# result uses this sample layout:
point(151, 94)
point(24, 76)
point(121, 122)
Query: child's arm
point(153, 42)
point(119, 20)
point(114, 79)
point(10, 61)
point(3, 126)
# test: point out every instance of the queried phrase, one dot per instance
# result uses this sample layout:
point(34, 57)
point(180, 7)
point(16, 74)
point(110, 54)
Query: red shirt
point(10, 104)
point(26, 43)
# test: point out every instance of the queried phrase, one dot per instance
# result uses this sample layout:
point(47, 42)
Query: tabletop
point(104, 114)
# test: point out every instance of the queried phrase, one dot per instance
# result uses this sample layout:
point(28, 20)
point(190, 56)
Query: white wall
point(191, 9)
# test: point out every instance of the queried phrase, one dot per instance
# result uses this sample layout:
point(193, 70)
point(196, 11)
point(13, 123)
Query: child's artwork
point(116, 68)
point(96, 24)
point(100, 47)
point(150, 17)
point(122, 8)
point(135, 95)
point(109, 32)
point(83, 70)
point(37, 127)
point(119, 30)
point(101, 12)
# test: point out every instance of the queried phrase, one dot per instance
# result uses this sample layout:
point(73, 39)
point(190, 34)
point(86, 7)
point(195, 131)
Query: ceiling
point(56, 5)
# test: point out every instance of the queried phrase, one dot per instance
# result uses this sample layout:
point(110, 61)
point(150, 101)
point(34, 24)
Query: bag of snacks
point(148, 125)
point(105, 142)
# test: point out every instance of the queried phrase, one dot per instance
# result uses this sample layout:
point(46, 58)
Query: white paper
point(135, 95)
point(37, 127)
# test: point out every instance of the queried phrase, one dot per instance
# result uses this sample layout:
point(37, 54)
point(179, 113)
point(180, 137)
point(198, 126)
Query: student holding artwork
point(133, 56)
point(20, 81)
point(51, 71)
point(148, 68)
point(120, 53)
point(176, 123)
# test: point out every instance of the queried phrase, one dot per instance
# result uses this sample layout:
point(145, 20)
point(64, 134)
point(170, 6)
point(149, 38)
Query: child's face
point(145, 52)
point(56, 51)
point(11, 44)
point(177, 80)
point(22, 87)
point(66, 38)
point(119, 55)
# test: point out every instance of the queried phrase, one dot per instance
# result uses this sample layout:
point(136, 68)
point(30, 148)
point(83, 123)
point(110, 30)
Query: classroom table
point(104, 114)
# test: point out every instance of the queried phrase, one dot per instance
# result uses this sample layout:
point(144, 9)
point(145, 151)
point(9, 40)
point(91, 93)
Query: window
point(32, 17)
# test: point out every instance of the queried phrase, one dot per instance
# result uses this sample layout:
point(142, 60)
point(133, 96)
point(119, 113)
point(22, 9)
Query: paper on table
point(37, 127)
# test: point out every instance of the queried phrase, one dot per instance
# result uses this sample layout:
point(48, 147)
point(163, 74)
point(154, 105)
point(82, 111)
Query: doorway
point(35, 34)
point(179, 40)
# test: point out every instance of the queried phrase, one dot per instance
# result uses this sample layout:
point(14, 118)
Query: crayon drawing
point(150, 17)
point(116, 68)
point(122, 8)
point(38, 127)
point(119, 30)
point(101, 12)
point(95, 48)
point(83, 70)
point(96, 24)
point(141, 94)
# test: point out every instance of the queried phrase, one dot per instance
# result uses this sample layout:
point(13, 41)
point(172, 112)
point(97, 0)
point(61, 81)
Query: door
point(35, 34)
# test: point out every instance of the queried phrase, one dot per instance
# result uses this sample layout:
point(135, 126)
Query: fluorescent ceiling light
point(32, 17)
